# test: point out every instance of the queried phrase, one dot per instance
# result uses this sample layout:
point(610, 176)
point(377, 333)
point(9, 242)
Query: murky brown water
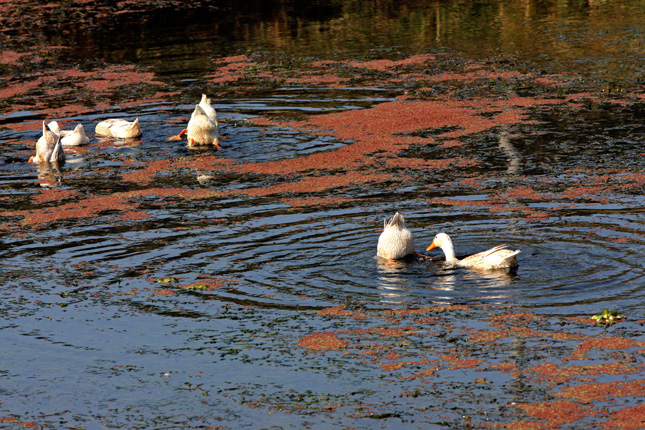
point(148, 285)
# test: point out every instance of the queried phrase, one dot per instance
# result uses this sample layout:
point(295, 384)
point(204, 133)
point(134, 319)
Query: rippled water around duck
point(570, 264)
point(187, 309)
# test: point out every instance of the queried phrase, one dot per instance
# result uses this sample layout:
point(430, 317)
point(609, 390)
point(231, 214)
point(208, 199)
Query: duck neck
point(449, 252)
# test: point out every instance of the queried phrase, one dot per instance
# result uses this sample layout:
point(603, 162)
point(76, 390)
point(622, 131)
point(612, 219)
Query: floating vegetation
point(608, 317)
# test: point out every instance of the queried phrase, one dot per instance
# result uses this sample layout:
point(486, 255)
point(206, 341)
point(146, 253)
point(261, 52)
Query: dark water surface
point(93, 337)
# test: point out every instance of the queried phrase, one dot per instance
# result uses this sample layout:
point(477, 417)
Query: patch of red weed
point(389, 367)
point(426, 309)
point(557, 374)
point(453, 361)
point(487, 336)
point(629, 418)
point(11, 57)
point(319, 183)
point(382, 64)
point(389, 332)
point(322, 342)
point(336, 311)
point(557, 413)
point(603, 343)
point(23, 424)
point(423, 374)
point(53, 195)
point(231, 69)
point(514, 316)
point(579, 192)
point(525, 192)
point(503, 367)
point(588, 393)
point(451, 144)
point(147, 174)
point(163, 292)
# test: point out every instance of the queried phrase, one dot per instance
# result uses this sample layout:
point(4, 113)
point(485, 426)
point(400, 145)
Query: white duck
point(118, 128)
point(205, 104)
point(201, 130)
point(495, 258)
point(74, 137)
point(48, 146)
point(396, 241)
point(203, 127)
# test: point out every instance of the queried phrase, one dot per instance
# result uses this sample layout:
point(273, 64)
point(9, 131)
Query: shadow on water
point(203, 287)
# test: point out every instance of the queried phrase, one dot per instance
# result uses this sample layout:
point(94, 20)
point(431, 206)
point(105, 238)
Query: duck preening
point(498, 257)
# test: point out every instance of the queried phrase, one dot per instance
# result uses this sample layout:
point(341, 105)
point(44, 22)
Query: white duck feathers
point(498, 257)
point(396, 241)
point(202, 130)
point(74, 137)
point(205, 104)
point(48, 146)
point(118, 128)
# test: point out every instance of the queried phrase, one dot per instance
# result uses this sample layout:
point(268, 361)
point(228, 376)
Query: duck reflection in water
point(514, 158)
point(49, 175)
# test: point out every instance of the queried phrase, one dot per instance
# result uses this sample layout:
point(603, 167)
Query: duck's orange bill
point(31, 159)
point(431, 247)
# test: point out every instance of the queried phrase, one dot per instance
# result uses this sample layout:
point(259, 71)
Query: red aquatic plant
point(322, 342)
point(555, 414)
point(589, 393)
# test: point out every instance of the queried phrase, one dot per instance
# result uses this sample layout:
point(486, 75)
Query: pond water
point(149, 285)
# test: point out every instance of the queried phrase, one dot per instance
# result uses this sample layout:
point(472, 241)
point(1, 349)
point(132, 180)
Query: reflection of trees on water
point(522, 28)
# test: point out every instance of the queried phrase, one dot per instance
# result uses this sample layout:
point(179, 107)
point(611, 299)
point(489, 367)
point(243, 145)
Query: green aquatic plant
point(199, 287)
point(608, 317)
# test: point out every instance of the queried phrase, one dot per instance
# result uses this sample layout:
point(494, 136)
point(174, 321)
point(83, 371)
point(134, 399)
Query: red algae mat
point(238, 288)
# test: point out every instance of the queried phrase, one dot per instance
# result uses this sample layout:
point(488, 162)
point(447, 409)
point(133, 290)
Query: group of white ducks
point(396, 242)
point(202, 129)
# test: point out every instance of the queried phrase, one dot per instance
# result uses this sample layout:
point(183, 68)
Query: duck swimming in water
point(396, 241)
point(498, 257)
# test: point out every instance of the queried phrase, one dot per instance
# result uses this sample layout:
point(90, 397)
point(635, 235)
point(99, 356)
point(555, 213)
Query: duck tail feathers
point(397, 220)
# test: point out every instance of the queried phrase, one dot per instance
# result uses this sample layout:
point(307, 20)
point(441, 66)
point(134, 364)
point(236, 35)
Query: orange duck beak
point(431, 247)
